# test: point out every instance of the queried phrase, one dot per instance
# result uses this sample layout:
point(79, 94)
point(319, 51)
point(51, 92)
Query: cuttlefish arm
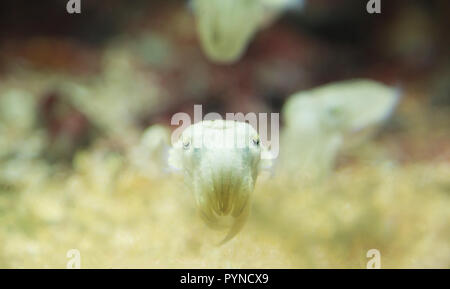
point(221, 161)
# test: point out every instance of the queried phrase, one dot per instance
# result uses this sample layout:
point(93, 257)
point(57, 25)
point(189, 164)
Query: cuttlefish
point(321, 121)
point(221, 160)
point(225, 27)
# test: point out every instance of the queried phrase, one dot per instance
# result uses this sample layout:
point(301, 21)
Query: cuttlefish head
point(220, 160)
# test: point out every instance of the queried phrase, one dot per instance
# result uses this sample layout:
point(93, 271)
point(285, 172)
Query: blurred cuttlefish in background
point(221, 161)
point(149, 155)
point(319, 122)
point(225, 27)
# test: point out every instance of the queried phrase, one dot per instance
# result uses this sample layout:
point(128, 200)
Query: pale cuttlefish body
point(319, 122)
point(221, 160)
point(226, 26)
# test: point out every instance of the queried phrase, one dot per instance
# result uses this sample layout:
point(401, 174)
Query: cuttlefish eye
point(186, 144)
point(256, 141)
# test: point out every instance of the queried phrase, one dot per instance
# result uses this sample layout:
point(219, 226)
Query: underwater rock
point(115, 100)
point(67, 128)
point(21, 143)
point(99, 168)
point(17, 117)
point(17, 108)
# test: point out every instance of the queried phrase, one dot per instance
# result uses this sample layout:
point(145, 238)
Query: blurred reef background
point(81, 169)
